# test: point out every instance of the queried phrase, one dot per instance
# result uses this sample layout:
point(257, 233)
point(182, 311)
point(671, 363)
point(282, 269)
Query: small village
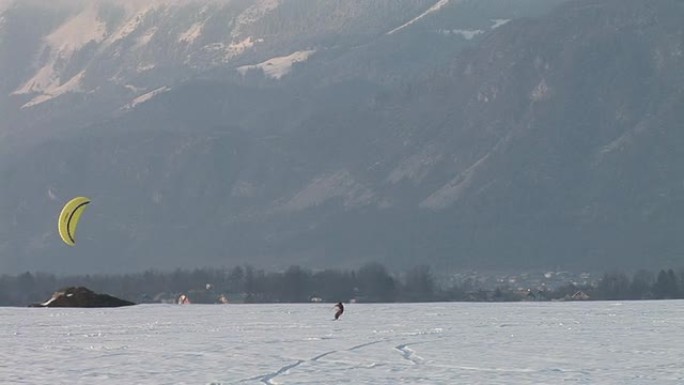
point(371, 283)
point(475, 287)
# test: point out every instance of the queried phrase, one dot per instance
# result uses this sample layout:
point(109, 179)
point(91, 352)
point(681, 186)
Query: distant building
point(183, 300)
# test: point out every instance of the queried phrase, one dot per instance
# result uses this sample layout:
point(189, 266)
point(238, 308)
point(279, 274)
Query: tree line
point(370, 283)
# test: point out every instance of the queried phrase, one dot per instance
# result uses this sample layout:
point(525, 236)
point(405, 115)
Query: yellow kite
point(68, 219)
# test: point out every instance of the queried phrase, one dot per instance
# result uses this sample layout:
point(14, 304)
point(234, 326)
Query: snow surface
point(134, 19)
point(71, 85)
point(467, 34)
point(278, 67)
point(451, 192)
point(237, 48)
point(639, 342)
point(192, 33)
point(436, 7)
point(86, 27)
point(146, 96)
point(254, 13)
point(416, 167)
point(146, 37)
point(499, 22)
point(340, 184)
point(61, 45)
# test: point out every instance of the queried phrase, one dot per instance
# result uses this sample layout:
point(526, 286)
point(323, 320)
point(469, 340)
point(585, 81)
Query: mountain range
point(488, 134)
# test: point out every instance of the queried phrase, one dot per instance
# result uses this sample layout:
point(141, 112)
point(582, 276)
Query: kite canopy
point(68, 219)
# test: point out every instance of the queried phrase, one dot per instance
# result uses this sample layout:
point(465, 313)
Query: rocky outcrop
point(82, 297)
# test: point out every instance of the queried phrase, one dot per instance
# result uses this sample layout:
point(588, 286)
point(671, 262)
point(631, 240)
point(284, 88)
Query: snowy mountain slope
point(145, 45)
point(125, 42)
point(479, 133)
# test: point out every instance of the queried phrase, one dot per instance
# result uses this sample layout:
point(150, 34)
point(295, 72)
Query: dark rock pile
point(82, 297)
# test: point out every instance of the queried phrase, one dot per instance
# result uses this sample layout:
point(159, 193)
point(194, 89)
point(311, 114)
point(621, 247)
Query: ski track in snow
point(267, 378)
point(357, 347)
point(318, 357)
point(594, 342)
point(409, 354)
point(406, 353)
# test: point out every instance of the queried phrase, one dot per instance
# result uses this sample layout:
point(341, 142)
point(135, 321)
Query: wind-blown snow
point(434, 8)
point(608, 343)
point(279, 66)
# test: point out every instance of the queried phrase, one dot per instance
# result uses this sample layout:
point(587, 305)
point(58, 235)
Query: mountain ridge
point(550, 140)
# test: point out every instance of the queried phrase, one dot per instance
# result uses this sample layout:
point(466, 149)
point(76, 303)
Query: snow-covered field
point(454, 343)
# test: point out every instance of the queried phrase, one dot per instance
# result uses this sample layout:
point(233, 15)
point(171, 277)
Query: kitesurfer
point(339, 310)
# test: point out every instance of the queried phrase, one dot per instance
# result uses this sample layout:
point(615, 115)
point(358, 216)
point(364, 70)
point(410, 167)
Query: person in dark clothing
point(339, 310)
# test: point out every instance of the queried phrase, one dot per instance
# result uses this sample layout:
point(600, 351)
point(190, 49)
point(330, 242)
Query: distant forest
point(370, 283)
